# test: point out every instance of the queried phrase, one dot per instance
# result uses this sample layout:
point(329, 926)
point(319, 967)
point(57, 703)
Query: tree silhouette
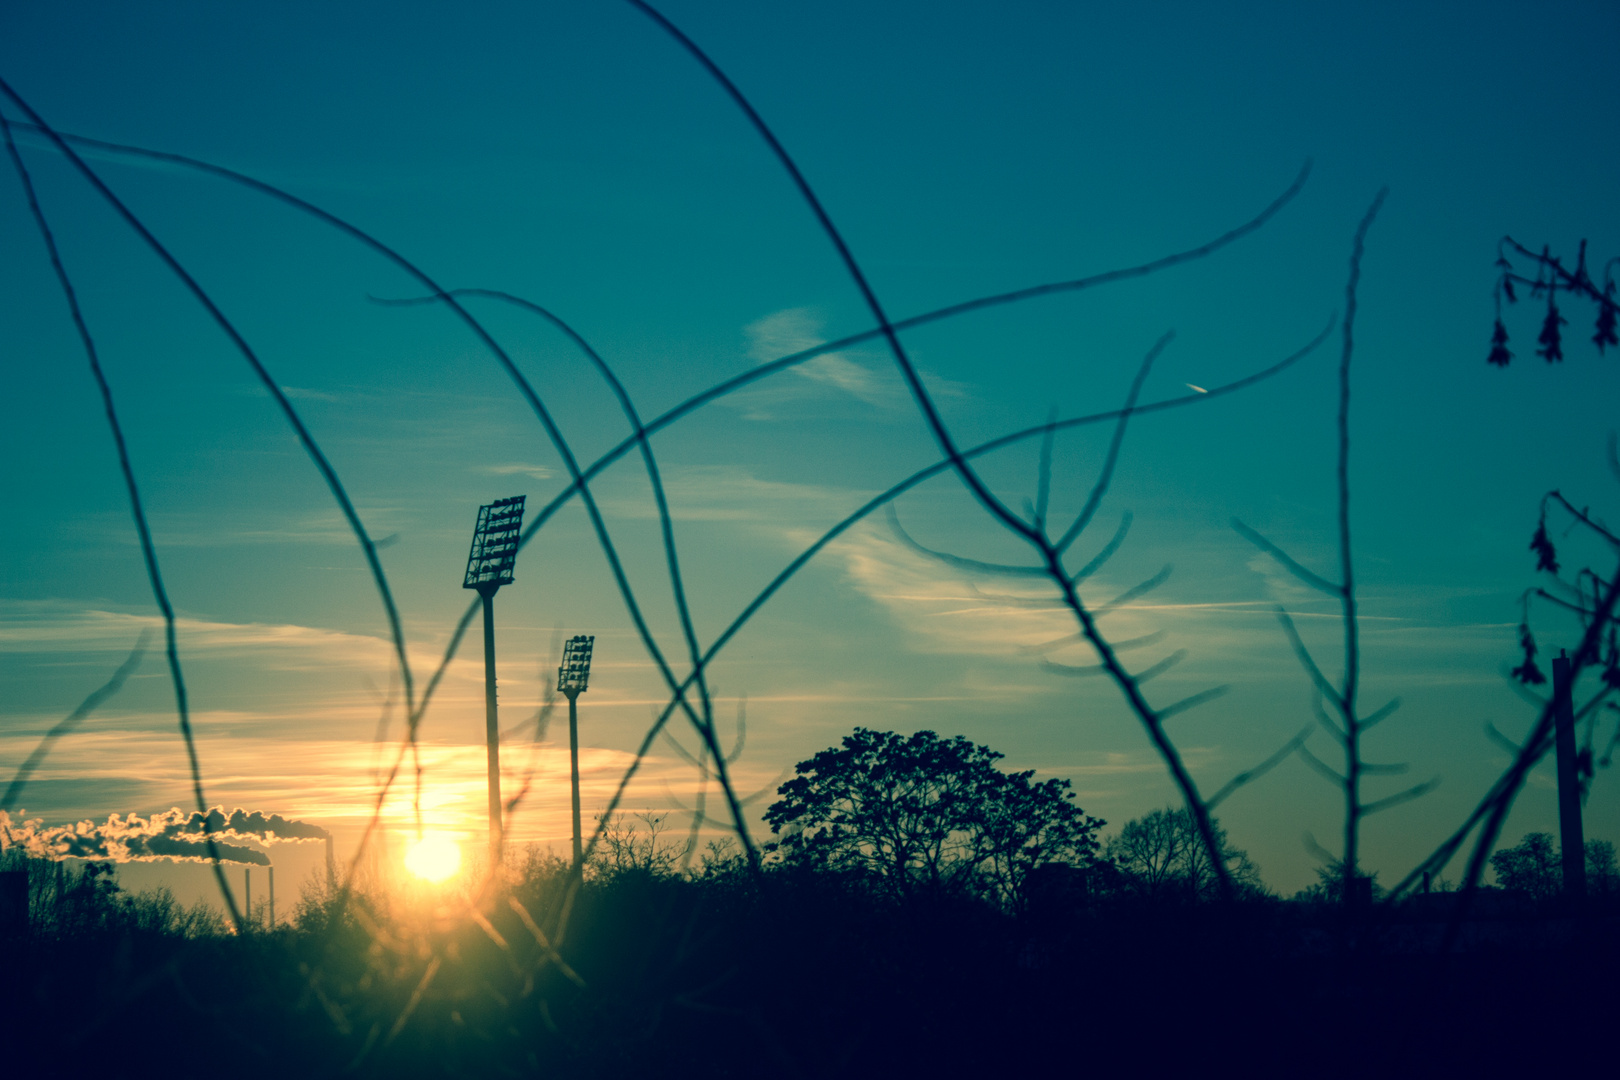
point(1535, 867)
point(1532, 867)
point(920, 814)
point(1161, 856)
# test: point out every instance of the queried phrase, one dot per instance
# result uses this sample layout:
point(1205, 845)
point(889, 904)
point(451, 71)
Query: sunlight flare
point(434, 857)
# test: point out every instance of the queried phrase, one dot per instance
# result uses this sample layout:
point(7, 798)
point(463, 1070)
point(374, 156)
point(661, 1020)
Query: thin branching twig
point(1348, 726)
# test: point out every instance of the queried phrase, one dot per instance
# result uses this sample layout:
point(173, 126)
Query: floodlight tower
point(573, 675)
point(489, 566)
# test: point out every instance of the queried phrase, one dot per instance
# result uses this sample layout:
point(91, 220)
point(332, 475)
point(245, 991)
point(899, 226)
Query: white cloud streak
point(518, 468)
point(833, 375)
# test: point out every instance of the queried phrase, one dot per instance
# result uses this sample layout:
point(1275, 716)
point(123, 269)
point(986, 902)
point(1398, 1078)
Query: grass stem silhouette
point(154, 572)
point(67, 724)
point(1348, 726)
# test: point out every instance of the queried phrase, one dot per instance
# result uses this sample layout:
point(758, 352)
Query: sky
point(571, 154)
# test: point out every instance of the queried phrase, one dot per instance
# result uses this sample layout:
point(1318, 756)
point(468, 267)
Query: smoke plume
point(173, 834)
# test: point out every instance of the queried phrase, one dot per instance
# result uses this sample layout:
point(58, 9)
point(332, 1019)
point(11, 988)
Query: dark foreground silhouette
point(722, 973)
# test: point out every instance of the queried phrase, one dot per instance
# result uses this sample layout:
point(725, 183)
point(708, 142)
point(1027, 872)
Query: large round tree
point(920, 813)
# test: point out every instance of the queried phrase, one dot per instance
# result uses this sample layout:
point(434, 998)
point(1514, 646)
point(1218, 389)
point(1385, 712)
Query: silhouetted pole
point(489, 566)
point(247, 897)
point(573, 769)
point(492, 725)
point(573, 676)
point(331, 864)
point(1570, 833)
point(272, 896)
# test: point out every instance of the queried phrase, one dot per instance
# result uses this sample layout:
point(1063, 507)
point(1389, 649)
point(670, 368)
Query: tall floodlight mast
point(572, 678)
point(489, 566)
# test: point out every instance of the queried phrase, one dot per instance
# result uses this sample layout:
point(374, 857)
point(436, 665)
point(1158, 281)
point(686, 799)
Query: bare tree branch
point(1073, 669)
point(1105, 477)
point(1122, 645)
point(1192, 702)
point(974, 565)
point(1133, 593)
point(1321, 766)
point(1381, 715)
point(1315, 581)
point(1043, 480)
point(1501, 740)
point(1161, 667)
point(1261, 769)
point(1404, 796)
point(1107, 551)
point(72, 720)
point(1322, 717)
point(1325, 688)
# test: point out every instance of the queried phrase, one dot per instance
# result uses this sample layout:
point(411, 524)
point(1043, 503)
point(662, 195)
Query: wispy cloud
point(1282, 586)
point(32, 627)
point(834, 375)
point(249, 525)
point(257, 673)
point(735, 493)
point(827, 379)
point(944, 611)
point(299, 393)
point(518, 468)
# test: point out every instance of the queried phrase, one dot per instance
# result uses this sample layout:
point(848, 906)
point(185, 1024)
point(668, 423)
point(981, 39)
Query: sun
point(434, 857)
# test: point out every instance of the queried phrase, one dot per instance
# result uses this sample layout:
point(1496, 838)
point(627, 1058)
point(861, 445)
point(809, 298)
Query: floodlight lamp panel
point(495, 543)
point(574, 673)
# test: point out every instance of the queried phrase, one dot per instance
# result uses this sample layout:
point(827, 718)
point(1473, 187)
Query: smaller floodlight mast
point(572, 678)
point(489, 566)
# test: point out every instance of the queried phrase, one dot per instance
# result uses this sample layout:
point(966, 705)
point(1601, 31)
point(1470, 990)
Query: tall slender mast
point(489, 566)
point(492, 723)
point(573, 770)
point(573, 676)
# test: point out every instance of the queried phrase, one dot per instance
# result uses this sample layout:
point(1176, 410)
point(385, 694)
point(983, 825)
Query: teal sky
point(571, 154)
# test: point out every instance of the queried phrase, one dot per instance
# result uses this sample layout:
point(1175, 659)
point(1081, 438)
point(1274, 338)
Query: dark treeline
point(718, 971)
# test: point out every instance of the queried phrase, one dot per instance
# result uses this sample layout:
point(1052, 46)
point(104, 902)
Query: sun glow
point(435, 857)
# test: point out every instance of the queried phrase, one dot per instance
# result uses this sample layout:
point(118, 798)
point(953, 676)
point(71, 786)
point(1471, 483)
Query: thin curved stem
point(65, 726)
point(311, 448)
point(908, 371)
point(154, 572)
point(1106, 475)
